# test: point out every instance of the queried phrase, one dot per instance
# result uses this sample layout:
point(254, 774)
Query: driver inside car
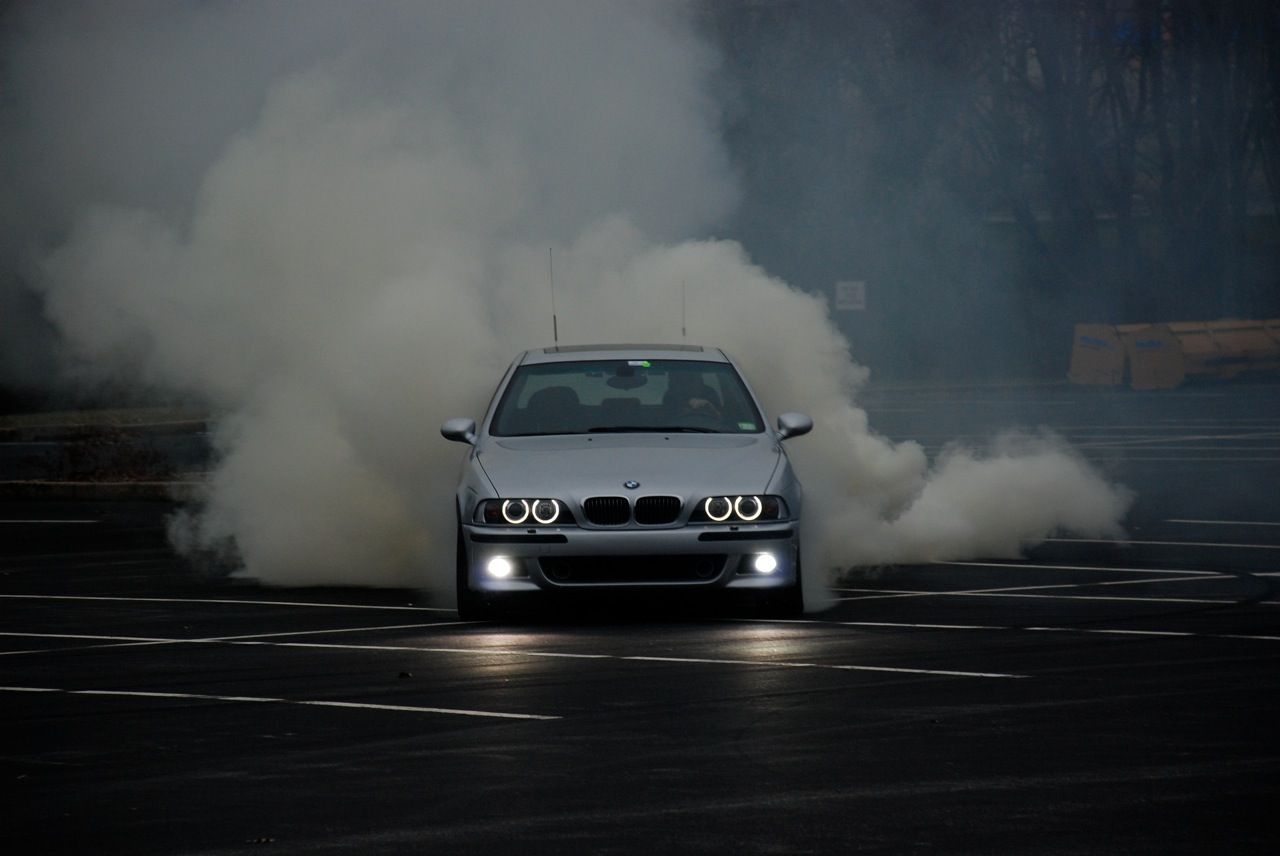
point(687, 394)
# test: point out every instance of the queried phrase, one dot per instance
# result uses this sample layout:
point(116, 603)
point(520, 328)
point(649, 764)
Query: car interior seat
point(553, 410)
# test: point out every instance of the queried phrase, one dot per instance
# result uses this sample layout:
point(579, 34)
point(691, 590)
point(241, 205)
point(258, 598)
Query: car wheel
point(471, 605)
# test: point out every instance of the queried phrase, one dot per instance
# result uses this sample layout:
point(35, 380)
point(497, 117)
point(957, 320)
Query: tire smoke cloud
point(355, 245)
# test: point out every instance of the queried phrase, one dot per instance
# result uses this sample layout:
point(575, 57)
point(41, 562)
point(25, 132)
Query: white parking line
point(1017, 628)
point(637, 658)
point(822, 666)
point(1177, 425)
point(516, 652)
point(143, 641)
point(889, 594)
point(264, 700)
point(1183, 458)
point(1044, 587)
point(1229, 449)
point(431, 625)
point(220, 600)
point(47, 521)
point(1126, 570)
point(1222, 522)
point(1128, 541)
point(1026, 591)
point(1111, 444)
point(150, 639)
point(1228, 455)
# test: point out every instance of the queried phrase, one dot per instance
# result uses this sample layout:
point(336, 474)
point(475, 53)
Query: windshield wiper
point(651, 429)
point(539, 434)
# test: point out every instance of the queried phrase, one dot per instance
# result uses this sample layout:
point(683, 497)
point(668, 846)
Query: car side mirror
point(793, 424)
point(461, 430)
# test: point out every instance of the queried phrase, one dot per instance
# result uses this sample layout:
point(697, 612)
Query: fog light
point(765, 563)
point(500, 567)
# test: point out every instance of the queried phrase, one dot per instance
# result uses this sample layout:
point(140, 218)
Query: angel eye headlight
point(515, 511)
point(747, 508)
point(744, 508)
point(545, 510)
point(718, 508)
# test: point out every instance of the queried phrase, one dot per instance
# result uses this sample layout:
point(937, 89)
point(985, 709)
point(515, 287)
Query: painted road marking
point(823, 666)
point(1230, 450)
point(1078, 568)
point(889, 594)
point(1025, 591)
point(1220, 458)
point(1228, 456)
point(1222, 522)
point(1043, 587)
point(221, 600)
point(1126, 542)
point(515, 652)
point(144, 641)
point(1111, 444)
point(1017, 628)
point(264, 700)
point(637, 658)
point(59, 522)
point(430, 625)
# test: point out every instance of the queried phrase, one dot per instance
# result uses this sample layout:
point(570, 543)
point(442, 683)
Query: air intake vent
point(657, 510)
point(632, 569)
point(607, 510)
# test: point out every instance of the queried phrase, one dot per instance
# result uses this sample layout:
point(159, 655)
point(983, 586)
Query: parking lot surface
point(1094, 696)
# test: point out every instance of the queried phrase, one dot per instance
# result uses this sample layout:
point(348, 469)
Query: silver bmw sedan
point(626, 466)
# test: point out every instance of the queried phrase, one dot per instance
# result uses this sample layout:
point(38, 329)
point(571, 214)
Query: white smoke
point(360, 256)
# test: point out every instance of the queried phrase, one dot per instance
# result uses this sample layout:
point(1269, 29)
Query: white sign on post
point(851, 295)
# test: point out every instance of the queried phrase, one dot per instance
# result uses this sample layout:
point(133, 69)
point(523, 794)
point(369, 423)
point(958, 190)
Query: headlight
point(515, 511)
point(718, 508)
point(500, 567)
point(546, 511)
point(523, 512)
point(748, 507)
point(739, 509)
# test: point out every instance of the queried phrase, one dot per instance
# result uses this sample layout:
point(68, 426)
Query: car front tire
point(471, 605)
point(789, 602)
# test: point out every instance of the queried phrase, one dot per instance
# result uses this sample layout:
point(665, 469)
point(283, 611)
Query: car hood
point(578, 466)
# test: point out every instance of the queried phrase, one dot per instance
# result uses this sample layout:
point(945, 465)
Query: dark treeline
point(996, 171)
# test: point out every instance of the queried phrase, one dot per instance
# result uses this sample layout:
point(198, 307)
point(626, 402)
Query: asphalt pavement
point(1092, 697)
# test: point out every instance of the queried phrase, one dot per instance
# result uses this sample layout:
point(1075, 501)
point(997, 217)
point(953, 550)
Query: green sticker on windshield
point(746, 426)
point(644, 364)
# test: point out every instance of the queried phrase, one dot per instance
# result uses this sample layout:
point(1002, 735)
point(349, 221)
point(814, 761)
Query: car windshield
point(618, 396)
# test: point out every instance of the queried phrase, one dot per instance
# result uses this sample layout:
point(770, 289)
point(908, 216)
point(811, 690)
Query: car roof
point(567, 353)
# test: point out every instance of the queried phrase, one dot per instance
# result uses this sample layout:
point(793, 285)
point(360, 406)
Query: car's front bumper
point(569, 557)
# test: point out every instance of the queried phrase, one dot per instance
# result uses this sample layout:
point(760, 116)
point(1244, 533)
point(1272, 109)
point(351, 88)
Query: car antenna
point(551, 275)
point(684, 287)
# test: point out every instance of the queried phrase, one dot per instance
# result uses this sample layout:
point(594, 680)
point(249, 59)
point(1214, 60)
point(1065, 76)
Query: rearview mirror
point(461, 430)
point(792, 424)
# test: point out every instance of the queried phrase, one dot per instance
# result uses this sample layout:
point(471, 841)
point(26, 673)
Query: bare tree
point(1096, 159)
